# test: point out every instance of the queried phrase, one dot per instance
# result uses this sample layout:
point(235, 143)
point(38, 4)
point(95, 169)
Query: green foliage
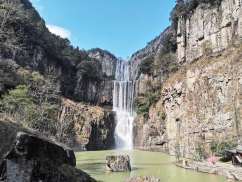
point(206, 47)
point(24, 27)
point(41, 68)
point(9, 82)
point(19, 104)
point(152, 96)
point(185, 8)
point(169, 44)
point(90, 68)
point(146, 66)
point(101, 52)
point(162, 115)
point(213, 145)
point(17, 98)
point(174, 67)
point(223, 145)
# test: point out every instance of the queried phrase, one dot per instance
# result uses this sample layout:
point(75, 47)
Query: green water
point(143, 163)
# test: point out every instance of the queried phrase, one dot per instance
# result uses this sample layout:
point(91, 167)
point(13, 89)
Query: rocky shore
point(227, 170)
point(27, 155)
point(142, 179)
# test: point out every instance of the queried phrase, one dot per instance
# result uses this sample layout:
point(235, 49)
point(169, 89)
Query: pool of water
point(143, 163)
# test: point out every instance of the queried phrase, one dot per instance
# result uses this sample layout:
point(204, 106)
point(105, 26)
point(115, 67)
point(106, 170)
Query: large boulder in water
point(27, 155)
point(118, 163)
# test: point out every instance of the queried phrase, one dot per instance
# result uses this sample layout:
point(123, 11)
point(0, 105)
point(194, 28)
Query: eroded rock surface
point(142, 179)
point(201, 102)
point(92, 127)
point(214, 24)
point(30, 156)
point(118, 163)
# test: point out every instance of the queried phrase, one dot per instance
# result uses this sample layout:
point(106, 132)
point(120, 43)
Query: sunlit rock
point(118, 163)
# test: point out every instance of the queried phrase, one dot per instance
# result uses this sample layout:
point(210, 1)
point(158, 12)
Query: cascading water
point(124, 93)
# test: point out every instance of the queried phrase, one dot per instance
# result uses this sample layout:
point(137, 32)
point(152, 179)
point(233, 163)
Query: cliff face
point(92, 128)
point(210, 26)
point(100, 92)
point(152, 49)
point(107, 60)
point(201, 102)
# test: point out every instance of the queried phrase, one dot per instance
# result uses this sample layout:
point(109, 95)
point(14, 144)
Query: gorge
point(176, 96)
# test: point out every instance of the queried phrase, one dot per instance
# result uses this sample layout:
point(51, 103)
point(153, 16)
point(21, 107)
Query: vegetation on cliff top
point(22, 30)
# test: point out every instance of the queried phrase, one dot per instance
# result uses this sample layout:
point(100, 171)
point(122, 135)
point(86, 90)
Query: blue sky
point(120, 26)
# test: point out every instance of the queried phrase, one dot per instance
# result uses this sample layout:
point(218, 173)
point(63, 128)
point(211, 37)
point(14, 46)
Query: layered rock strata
point(92, 127)
point(30, 156)
point(94, 91)
point(201, 102)
point(210, 26)
point(152, 49)
point(107, 60)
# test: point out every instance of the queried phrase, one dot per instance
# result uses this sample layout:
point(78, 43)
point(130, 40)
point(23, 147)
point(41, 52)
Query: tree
point(18, 103)
point(213, 145)
point(12, 16)
point(45, 93)
point(90, 68)
point(146, 66)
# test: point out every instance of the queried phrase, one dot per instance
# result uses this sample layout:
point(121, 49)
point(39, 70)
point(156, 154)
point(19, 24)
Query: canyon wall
point(86, 127)
point(152, 49)
point(210, 26)
point(201, 102)
point(108, 60)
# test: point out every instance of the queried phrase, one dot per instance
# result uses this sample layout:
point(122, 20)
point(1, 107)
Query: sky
point(120, 26)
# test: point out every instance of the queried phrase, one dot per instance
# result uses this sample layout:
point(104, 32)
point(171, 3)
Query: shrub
point(213, 145)
point(146, 66)
point(162, 115)
point(206, 47)
point(174, 67)
point(90, 68)
point(223, 145)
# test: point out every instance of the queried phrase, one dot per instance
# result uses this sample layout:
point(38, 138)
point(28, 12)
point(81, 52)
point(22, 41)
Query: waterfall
point(124, 93)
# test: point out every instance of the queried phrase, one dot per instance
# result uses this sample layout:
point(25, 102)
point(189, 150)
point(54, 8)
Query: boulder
point(27, 155)
point(142, 179)
point(118, 163)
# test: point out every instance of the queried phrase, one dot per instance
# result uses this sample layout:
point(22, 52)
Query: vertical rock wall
point(216, 25)
point(202, 102)
point(107, 60)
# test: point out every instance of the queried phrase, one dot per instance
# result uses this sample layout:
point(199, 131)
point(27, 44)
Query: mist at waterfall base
point(124, 93)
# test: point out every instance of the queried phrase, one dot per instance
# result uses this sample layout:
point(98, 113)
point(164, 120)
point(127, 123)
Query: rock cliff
point(92, 128)
point(210, 26)
point(152, 49)
point(30, 156)
point(108, 60)
point(94, 91)
point(201, 103)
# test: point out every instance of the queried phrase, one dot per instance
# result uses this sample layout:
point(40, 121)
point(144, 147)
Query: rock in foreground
point(118, 163)
point(142, 179)
point(30, 156)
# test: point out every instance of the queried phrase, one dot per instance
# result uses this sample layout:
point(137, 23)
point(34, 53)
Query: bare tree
point(45, 93)
point(64, 125)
